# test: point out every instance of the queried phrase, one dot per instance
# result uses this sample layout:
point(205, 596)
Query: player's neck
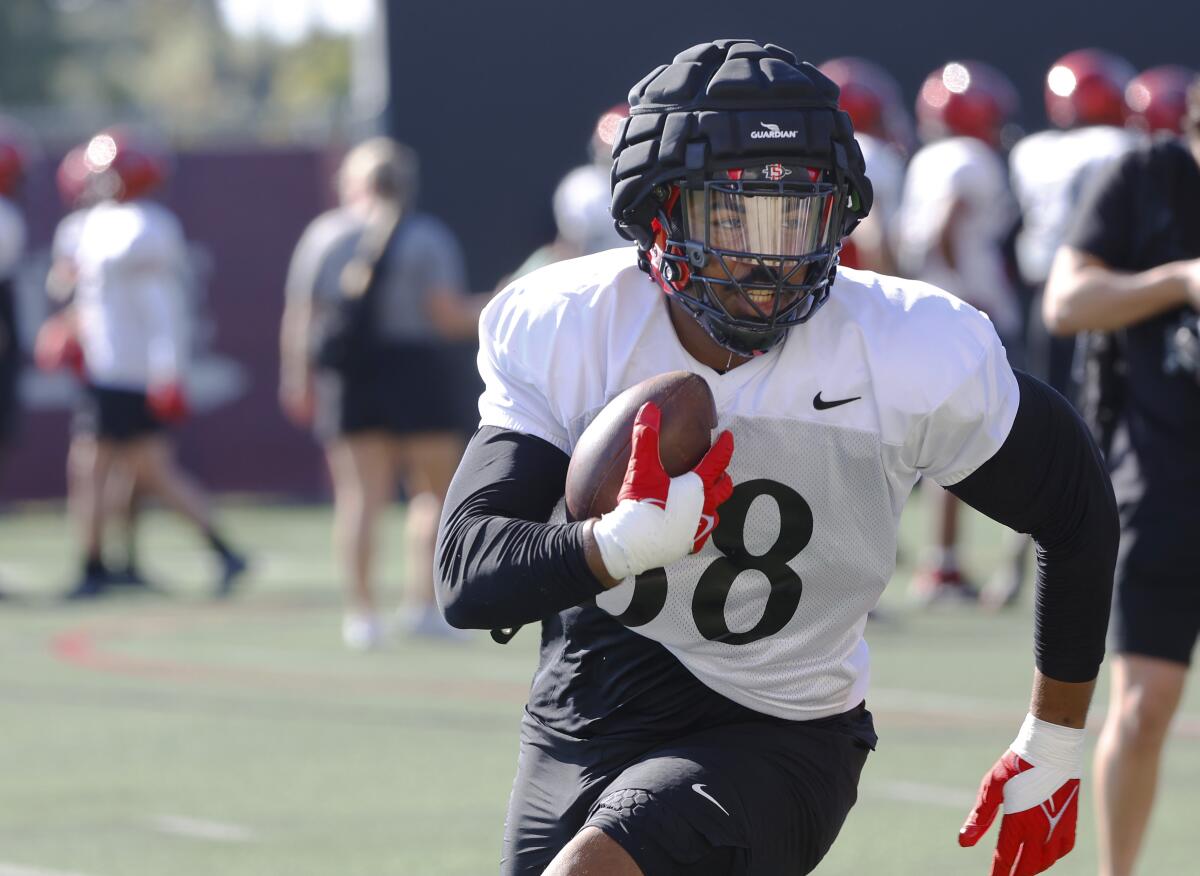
point(698, 343)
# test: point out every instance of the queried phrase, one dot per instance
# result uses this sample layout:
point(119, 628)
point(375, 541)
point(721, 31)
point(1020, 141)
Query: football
point(597, 468)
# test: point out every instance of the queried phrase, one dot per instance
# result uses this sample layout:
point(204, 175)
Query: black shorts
point(763, 797)
point(118, 415)
point(408, 388)
point(1156, 608)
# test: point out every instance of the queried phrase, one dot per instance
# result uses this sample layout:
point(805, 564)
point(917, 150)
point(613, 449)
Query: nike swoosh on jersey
point(699, 789)
point(1055, 819)
point(821, 405)
point(707, 522)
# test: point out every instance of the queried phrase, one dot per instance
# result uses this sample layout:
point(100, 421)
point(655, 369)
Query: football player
point(581, 203)
point(871, 97)
point(128, 257)
point(955, 215)
point(1130, 267)
point(1085, 103)
point(699, 706)
point(1156, 100)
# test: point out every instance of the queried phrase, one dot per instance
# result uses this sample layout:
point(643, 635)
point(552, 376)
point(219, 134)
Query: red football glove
point(167, 402)
point(659, 519)
point(1037, 780)
point(57, 345)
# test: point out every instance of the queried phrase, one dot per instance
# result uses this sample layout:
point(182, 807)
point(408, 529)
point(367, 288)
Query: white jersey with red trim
point(1049, 171)
point(964, 182)
point(890, 380)
point(130, 259)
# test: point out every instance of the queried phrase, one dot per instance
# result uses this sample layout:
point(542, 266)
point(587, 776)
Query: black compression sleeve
point(1048, 480)
point(498, 563)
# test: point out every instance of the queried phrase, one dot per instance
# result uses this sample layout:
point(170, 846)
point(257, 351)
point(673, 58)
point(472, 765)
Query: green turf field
point(155, 735)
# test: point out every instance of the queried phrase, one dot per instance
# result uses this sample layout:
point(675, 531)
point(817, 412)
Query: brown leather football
point(689, 414)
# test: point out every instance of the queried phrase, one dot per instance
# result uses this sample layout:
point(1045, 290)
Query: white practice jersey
point(890, 381)
point(130, 260)
point(966, 171)
point(66, 235)
point(12, 238)
point(1049, 171)
point(885, 169)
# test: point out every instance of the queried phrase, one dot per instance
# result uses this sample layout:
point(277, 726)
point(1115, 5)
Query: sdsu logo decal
point(775, 172)
point(772, 132)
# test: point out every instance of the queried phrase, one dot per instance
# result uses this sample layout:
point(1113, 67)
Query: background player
point(581, 202)
point(956, 213)
point(684, 719)
point(1131, 266)
point(872, 99)
point(1049, 170)
point(128, 258)
point(391, 414)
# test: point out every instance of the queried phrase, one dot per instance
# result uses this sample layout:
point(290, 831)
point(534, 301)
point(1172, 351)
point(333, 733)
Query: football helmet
point(737, 176)
point(604, 135)
point(125, 167)
point(871, 97)
point(1156, 99)
point(966, 99)
point(1087, 87)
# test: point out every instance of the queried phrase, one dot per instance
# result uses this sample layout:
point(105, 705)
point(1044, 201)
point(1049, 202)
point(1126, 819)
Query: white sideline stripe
point(18, 870)
point(916, 792)
point(180, 825)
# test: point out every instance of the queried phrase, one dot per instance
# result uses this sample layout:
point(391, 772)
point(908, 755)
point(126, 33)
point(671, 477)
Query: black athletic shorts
point(409, 388)
point(1156, 608)
point(115, 415)
point(765, 797)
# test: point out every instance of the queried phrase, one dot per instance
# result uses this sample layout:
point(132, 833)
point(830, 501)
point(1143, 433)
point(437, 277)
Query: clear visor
point(761, 219)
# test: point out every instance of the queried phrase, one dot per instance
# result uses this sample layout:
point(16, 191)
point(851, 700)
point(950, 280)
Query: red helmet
point(126, 168)
point(72, 176)
point(607, 129)
point(1156, 99)
point(1087, 87)
point(869, 95)
point(966, 99)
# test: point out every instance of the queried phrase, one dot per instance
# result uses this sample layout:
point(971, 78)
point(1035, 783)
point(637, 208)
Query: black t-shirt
point(1144, 211)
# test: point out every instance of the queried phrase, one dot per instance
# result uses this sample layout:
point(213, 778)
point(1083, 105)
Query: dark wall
point(499, 99)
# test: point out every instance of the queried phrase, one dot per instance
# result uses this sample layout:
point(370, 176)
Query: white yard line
point(196, 828)
point(20, 870)
point(917, 792)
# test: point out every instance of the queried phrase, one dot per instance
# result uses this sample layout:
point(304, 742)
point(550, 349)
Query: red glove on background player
point(659, 519)
point(57, 345)
point(167, 402)
point(1037, 780)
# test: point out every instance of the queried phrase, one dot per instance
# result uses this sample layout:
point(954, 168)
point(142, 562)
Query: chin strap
point(673, 276)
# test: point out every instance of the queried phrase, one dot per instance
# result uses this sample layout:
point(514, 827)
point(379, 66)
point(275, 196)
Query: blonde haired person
point(375, 299)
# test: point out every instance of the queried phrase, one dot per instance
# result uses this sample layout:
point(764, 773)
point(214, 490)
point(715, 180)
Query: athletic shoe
point(362, 632)
point(941, 586)
point(90, 586)
point(427, 622)
point(232, 567)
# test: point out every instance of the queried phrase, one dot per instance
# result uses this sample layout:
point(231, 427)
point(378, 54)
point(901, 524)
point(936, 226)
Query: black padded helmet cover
point(726, 104)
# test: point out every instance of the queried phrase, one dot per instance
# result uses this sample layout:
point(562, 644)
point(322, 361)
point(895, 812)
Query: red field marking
point(88, 646)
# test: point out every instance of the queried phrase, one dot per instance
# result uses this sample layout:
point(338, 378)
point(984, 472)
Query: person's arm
point(498, 562)
point(454, 313)
point(1047, 480)
point(1084, 294)
point(295, 367)
point(499, 566)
